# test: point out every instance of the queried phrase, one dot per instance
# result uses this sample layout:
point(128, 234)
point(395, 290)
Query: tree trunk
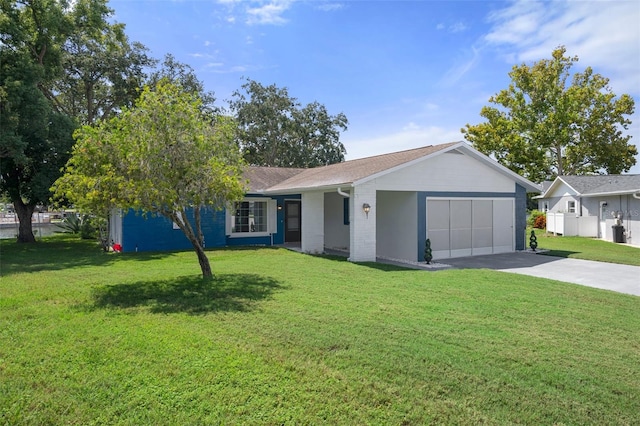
point(25, 228)
point(560, 160)
point(180, 217)
point(205, 266)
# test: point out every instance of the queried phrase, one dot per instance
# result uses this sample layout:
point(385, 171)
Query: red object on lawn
point(117, 248)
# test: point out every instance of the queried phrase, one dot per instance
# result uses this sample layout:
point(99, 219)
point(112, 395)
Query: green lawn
point(285, 338)
point(586, 248)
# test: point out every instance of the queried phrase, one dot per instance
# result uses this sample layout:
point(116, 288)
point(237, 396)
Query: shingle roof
point(261, 178)
point(602, 184)
point(354, 170)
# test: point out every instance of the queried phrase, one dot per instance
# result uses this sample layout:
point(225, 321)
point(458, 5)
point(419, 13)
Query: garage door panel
point(482, 238)
point(482, 225)
point(460, 239)
point(439, 239)
point(440, 248)
point(460, 214)
point(438, 214)
point(502, 226)
point(482, 214)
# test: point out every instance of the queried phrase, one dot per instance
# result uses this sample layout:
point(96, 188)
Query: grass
point(284, 338)
point(586, 248)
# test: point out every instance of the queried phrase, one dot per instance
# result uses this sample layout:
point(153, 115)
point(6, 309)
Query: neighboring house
point(592, 205)
point(384, 206)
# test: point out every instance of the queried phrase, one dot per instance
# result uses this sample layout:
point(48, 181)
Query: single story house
point(601, 206)
point(384, 206)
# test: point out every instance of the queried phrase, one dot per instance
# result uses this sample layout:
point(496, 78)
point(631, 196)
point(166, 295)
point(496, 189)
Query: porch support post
point(313, 222)
point(362, 231)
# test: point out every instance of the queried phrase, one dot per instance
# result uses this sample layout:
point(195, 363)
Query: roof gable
point(348, 172)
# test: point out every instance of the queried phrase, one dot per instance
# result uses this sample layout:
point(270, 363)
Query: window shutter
point(272, 216)
point(227, 217)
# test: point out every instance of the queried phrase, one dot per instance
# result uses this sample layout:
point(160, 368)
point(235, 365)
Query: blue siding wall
point(156, 233)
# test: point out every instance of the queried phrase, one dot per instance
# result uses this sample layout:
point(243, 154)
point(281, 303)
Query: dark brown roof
point(354, 170)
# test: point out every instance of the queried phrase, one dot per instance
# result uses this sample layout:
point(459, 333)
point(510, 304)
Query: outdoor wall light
point(279, 207)
point(366, 208)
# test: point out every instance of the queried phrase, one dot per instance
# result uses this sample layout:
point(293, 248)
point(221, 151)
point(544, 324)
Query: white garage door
point(467, 227)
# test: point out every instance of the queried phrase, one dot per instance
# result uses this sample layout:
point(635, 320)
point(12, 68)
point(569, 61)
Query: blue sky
point(405, 73)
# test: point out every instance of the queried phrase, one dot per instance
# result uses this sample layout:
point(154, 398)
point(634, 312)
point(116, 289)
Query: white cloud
point(466, 64)
point(216, 65)
point(604, 35)
point(268, 14)
point(329, 7)
point(456, 27)
point(219, 68)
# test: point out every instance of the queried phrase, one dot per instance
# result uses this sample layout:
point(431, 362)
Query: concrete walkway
point(608, 276)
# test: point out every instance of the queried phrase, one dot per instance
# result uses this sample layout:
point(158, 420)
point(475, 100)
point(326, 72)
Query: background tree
point(102, 72)
point(183, 75)
point(161, 157)
point(275, 130)
point(35, 140)
point(544, 128)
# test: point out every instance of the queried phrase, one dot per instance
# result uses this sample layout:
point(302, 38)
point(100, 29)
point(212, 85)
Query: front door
point(292, 221)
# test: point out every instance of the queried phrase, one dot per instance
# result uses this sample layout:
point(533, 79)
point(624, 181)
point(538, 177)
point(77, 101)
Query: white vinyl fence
point(569, 224)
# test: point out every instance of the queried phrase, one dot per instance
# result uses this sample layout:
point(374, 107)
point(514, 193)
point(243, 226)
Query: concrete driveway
point(608, 276)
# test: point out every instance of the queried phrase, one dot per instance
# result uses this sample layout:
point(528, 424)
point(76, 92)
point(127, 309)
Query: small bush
point(86, 226)
point(540, 222)
point(534, 219)
point(71, 224)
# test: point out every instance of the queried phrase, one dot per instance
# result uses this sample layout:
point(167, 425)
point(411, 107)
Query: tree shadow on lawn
point(62, 252)
point(192, 294)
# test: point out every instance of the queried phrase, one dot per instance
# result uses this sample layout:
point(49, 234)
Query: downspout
point(344, 194)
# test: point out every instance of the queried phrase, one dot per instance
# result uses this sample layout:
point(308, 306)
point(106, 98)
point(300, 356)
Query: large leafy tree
point(183, 75)
point(543, 127)
point(35, 139)
point(62, 63)
point(275, 130)
point(101, 73)
point(164, 156)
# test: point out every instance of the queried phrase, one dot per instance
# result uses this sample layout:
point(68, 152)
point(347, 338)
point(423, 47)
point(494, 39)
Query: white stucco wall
point(336, 233)
point(447, 172)
point(363, 228)
point(313, 222)
point(396, 226)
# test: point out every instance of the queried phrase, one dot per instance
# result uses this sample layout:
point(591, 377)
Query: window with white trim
point(571, 206)
point(252, 217)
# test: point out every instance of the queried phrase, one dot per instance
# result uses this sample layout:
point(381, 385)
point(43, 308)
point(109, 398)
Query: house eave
point(613, 193)
point(298, 190)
